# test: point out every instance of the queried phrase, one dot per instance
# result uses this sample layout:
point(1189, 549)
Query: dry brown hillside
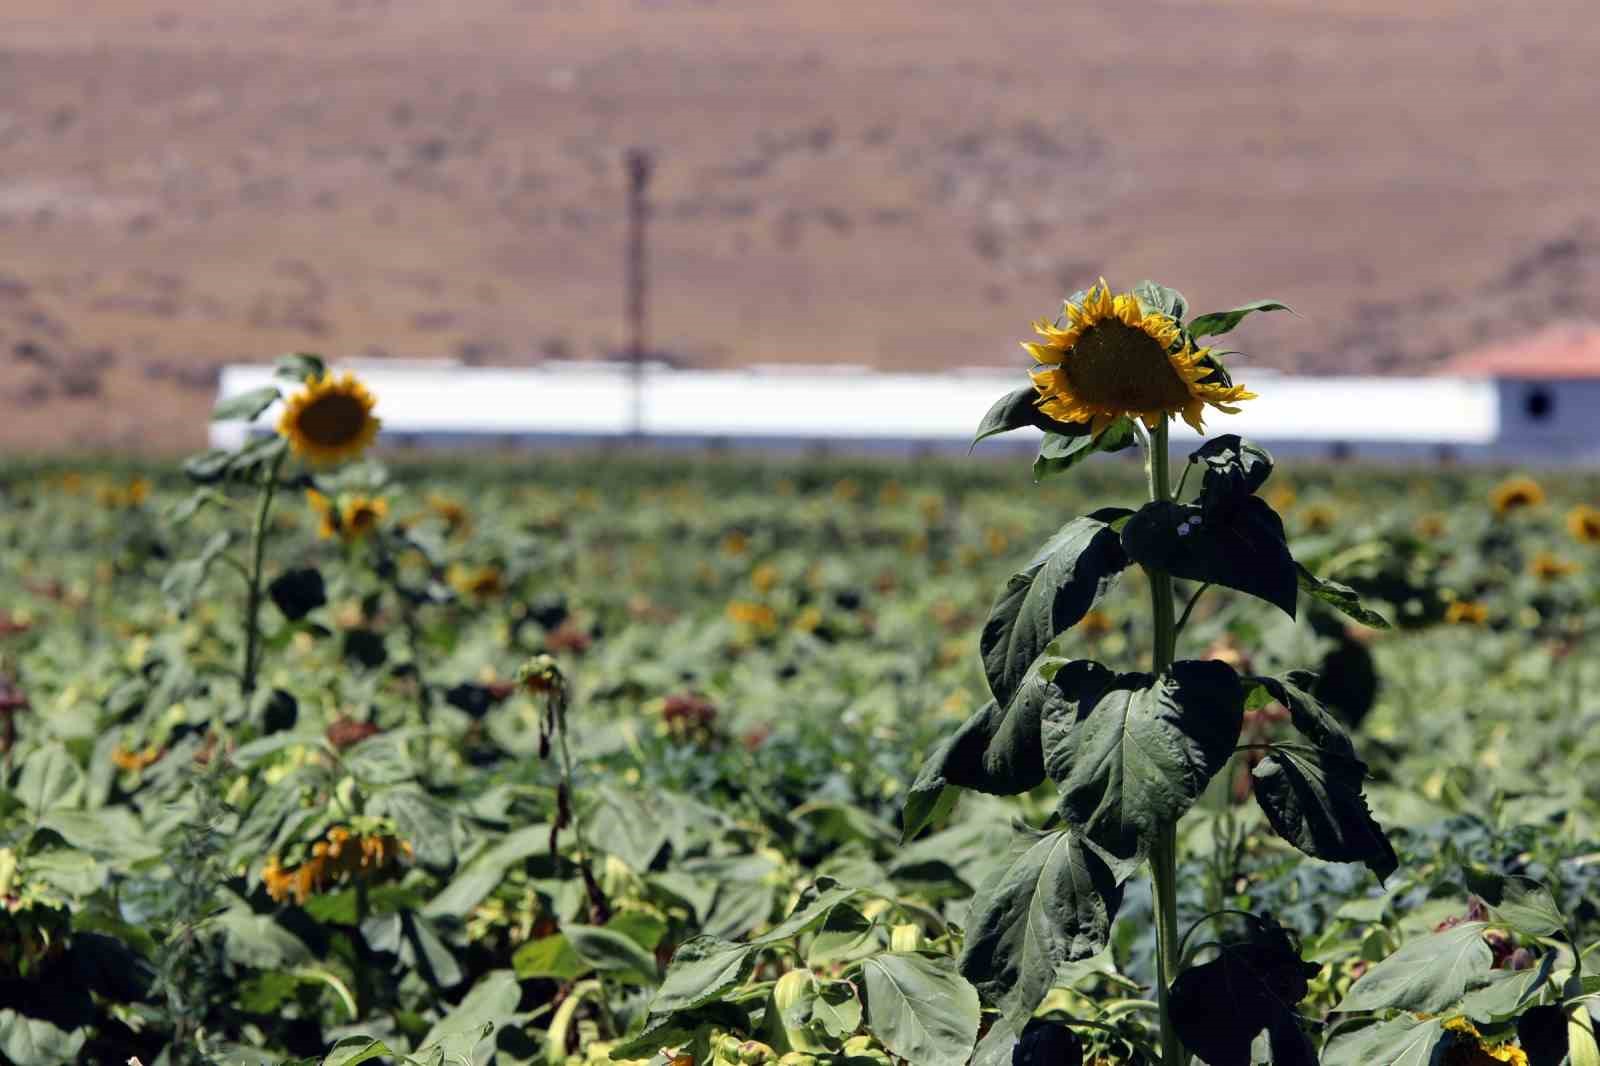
point(898, 182)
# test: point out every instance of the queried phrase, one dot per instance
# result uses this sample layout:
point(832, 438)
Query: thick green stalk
point(1164, 853)
point(258, 550)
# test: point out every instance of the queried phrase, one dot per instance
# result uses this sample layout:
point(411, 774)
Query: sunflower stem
point(258, 552)
point(1164, 853)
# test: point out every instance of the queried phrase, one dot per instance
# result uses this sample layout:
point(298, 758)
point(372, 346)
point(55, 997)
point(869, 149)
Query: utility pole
point(639, 163)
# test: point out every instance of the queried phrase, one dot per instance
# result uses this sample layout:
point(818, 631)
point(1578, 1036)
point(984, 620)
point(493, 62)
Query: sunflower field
point(312, 756)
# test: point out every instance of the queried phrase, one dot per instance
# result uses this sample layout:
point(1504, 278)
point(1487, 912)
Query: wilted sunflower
point(1515, 493)
point(1112, 357)
point(330, 420)
point(1583, 522)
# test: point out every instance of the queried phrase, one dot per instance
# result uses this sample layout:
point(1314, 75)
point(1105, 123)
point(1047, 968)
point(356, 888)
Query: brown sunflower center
point(332, 419)
point(1114, 365)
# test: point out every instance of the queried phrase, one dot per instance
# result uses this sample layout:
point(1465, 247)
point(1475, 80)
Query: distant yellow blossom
point(1583, 522)
point(343, 856)
point(1547, 566)
point(754, 615)
point(1515, 493)
point(1466, 612)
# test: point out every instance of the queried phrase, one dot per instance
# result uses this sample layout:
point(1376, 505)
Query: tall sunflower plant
point(1130, 753)
point(326, 422)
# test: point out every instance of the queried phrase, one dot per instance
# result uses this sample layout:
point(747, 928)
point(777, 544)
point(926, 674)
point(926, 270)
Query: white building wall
point(443, 403)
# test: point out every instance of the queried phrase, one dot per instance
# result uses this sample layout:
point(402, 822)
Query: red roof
point(1564, 350)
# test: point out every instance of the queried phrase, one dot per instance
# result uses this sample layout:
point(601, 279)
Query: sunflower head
point(1112, 356)
point(1583, 522)
point(1514, 494)
point(360, 515)
point(1548, 566)
point(1466, 613)
point(1470, 1049)
point(330, 420)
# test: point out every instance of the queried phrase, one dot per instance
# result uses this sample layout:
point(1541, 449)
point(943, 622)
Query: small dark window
point(1540, 403)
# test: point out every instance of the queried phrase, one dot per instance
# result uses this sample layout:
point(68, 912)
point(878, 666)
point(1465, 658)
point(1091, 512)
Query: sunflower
point(330, 420)
point(1583, 522)
point(360, 515)
point(1469, 1048)
point(1515, 493)
point(327, 524)
point(1466, 613)
point(342, 857)
point(480, 582)
point(1547, 565)
point(1113, 357)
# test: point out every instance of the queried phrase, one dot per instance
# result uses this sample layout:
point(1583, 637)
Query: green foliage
point(739, 784)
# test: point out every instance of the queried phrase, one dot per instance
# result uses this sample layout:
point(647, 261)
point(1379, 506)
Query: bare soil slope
point(903, 183)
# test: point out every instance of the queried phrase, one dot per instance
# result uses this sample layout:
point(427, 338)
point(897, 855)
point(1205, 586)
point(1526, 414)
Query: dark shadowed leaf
point(1068, 574)
point(1243, 548)
point(1233, 469)
point(1341, 598)
point(1135, 757)
point(1000, 753)
point(298, 592)
point(1542, 1032)
point(1053, 903)
point(1220, 1007)
point(1314, 801)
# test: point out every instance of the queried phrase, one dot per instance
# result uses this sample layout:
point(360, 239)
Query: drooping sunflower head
point(1514, 494)
point(1112, 356)
point(330, 420)
point(1583, 522)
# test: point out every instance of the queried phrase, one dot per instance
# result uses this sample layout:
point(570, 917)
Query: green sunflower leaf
point(299, 367)
point(1019, 408)
point(920, 1008)
point(1053, 903)
point(999, 752)
point(1134, 755)
point(245, 406)
point(1427, 975)
point(1403, 1040)
point(1341, 598)
point(1065, 578)
point(1058, 453)
point(1219, 322)
point(1156, 297)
